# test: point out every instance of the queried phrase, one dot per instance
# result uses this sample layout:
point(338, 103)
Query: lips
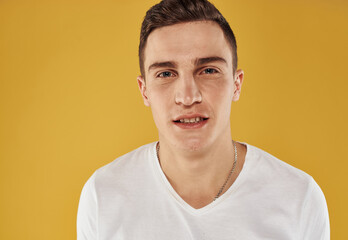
point(191, 121)
point(190, 118)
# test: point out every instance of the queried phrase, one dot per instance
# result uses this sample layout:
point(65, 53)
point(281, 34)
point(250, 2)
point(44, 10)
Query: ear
point(238, 80)
point(142, 88)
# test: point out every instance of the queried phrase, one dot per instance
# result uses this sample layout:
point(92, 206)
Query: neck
point(197, 176)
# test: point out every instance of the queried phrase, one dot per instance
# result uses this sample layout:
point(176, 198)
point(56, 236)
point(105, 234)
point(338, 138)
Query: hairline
point(142, 53)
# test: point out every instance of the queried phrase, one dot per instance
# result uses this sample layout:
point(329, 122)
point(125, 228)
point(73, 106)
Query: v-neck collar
point(160, 174)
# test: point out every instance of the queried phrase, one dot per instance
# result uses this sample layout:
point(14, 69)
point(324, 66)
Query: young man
point(196, 182)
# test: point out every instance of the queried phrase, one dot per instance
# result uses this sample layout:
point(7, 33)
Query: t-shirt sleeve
point(87, 212)
point(315, 223)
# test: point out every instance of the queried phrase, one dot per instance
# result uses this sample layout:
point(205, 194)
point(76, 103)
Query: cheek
point(160, 101)
point(220, 91)
point(160, 97)
point(219, 98)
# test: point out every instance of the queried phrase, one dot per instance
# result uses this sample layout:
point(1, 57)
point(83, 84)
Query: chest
point(164, 219)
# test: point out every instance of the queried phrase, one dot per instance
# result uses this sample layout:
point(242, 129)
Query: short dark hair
point(170, 12)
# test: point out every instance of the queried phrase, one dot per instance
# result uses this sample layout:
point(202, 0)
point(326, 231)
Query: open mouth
point(191, 120)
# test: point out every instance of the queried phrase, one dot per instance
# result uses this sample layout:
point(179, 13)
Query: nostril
point(188, 100)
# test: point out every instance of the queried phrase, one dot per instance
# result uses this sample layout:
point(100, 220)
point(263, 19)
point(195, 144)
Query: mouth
point(191, 122)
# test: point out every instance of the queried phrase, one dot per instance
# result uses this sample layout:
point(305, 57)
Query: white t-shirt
point(130, 198)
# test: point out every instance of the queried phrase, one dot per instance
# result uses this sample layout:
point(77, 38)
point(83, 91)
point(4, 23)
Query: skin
point(188, 71)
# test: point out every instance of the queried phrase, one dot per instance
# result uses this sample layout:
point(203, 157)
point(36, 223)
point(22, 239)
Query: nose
point(187, 91)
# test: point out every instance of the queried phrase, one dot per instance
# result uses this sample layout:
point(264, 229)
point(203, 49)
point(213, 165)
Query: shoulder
point(128, 159)
point(269, 166)
point(278, 179)
point(278, 185)
point(125, 168)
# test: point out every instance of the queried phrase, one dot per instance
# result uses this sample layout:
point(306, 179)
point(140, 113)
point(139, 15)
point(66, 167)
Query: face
point(190, 84)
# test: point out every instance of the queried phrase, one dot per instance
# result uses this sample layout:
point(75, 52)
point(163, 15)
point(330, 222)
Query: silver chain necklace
point(229, 175)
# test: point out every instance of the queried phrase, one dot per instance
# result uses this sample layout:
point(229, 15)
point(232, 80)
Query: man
point(196, 182)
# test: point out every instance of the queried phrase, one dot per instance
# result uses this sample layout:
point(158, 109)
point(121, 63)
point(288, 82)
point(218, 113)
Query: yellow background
point(69, 100)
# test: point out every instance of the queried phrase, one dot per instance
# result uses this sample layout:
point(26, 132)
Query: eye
point(209, 71)
point(165, 74)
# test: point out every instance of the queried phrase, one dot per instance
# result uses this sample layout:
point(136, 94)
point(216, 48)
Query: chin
point(193, 145)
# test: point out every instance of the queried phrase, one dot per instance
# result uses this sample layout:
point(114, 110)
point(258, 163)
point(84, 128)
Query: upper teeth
point(191, 120)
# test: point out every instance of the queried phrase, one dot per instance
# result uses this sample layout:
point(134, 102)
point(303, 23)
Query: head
point(188, 56)
point(170, 12)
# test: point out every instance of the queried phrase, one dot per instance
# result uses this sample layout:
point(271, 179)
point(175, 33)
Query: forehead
point(186, 42)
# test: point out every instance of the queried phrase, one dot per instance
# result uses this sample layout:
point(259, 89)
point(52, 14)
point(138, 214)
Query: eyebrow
point(202, 61)
point(198, 62)
point(162, 65)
